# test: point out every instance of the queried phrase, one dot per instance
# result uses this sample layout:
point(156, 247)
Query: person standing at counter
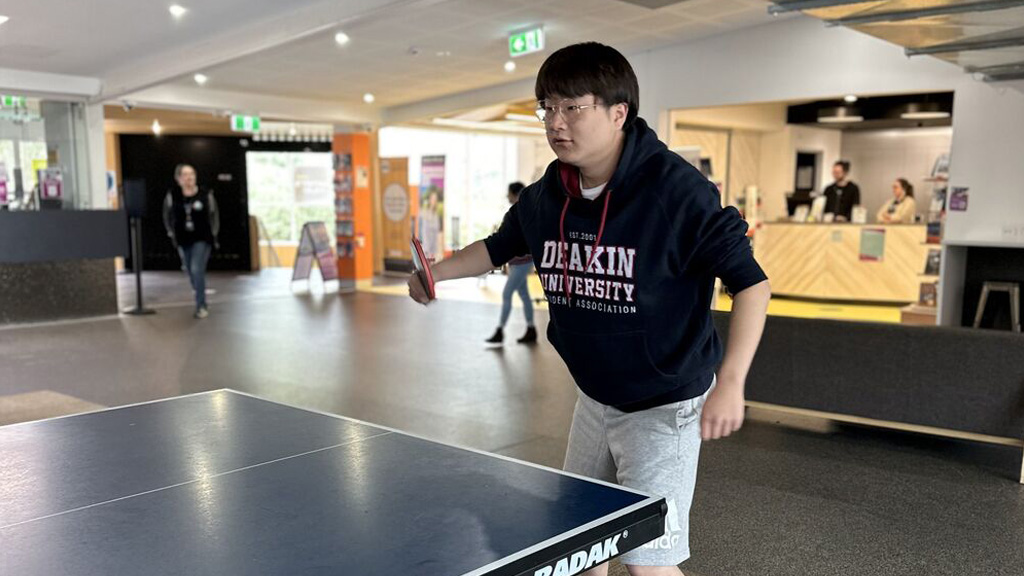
point(902, 208)
point(192, 222)
point(842, 195)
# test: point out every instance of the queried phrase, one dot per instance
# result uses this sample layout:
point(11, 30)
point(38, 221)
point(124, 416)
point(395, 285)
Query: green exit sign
point(245, 123)
point(12, 101)
point(526, 42)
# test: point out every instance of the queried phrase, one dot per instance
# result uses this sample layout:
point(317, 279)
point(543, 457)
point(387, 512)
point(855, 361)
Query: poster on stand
point(396, 203)
point(430, 227)
point(315, 244)
point(3, 184)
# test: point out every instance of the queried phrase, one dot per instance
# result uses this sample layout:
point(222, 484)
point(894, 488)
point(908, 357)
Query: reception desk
point(846, 262)
point(59, 264)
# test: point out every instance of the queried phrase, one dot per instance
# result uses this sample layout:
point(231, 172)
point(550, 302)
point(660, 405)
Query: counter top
point(983, 243)
point(827, 261)
point(61, 235)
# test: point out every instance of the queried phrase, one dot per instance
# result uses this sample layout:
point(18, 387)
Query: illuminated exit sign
point(526, 42)
point(245, 123)
point(12, 101)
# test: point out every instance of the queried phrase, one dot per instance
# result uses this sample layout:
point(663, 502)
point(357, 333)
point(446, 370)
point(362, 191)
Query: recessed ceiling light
point(200, 79)
point(369, 98)
point(3, 19)
point(444, 54)
point(850, 98)
point(177, 10)
point(341, 39)
point(510, 66)
point(156, 127)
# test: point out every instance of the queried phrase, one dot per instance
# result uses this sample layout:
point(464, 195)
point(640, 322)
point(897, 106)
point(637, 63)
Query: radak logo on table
point(582, 560)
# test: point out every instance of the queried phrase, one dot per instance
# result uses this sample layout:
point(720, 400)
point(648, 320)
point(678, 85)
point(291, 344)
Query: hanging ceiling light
point(924, 111)
point(840, 115)
point(156, 127)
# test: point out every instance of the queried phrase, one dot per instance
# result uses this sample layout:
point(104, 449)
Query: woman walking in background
point(518, 283)
point(192, 222)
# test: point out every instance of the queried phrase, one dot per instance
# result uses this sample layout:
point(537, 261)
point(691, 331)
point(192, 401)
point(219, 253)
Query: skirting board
point(932, 431)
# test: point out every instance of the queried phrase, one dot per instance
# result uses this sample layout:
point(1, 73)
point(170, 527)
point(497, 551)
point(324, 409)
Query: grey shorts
point(654, 451)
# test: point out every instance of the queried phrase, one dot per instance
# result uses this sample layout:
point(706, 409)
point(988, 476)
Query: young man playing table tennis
point(628, 240)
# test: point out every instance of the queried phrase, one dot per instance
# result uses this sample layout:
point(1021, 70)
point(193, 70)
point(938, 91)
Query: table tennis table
point(230, 484)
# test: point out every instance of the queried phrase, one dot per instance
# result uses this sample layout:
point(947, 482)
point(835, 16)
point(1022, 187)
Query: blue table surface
point(225, 483)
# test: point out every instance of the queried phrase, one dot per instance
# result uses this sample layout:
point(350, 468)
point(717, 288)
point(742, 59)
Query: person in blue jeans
point(192, 222)
point(519, 270)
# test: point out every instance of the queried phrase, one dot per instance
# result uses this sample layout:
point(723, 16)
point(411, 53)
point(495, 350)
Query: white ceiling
point(475, 33)
point(92, 37)
point(265, 53)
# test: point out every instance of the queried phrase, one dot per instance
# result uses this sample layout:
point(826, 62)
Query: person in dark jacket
point(519, 269)
point(192, 222)
point(628, 239)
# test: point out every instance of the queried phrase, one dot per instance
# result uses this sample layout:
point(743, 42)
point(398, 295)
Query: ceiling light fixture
point(200, 79)
point(3, 19)
point(341, 39)
point(839, 115)
point(156, 127)
point(369, 98)
point(924, 111)
point(850, 98)
point(532, 119)
point(177, 10)
point(510, 66)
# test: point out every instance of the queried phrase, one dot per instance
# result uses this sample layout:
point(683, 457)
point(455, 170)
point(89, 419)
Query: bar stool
point(1011, 288)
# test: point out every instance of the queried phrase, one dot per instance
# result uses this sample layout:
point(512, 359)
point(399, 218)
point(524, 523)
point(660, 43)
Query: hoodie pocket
point(608, 361)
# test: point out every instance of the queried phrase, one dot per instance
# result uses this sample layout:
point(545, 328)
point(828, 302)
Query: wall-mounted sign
point(245, 123)
point(12, 101)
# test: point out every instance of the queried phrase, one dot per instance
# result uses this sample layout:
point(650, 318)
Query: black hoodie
point(630, 314)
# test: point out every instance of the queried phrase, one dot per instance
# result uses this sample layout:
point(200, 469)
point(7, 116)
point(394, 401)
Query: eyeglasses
point(568, 109)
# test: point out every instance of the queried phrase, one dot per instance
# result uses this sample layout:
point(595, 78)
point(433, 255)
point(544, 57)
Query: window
point(288, 189)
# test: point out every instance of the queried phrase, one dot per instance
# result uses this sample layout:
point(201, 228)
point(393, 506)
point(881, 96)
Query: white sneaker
point(202, 313)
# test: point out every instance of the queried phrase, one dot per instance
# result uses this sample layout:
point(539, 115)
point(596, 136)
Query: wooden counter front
point(823, 261)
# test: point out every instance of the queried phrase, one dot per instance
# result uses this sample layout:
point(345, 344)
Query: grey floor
point(782, 497)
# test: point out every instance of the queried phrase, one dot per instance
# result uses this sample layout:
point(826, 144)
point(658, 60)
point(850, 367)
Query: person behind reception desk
point(842, 195)
point(902, 207)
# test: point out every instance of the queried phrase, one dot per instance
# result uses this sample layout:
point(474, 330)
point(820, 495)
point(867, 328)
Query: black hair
point(515, 188)
point(845, 164)
point(590, 68)
point(907, 186)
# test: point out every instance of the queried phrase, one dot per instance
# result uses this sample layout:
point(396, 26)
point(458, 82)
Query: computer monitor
point(797, 199)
